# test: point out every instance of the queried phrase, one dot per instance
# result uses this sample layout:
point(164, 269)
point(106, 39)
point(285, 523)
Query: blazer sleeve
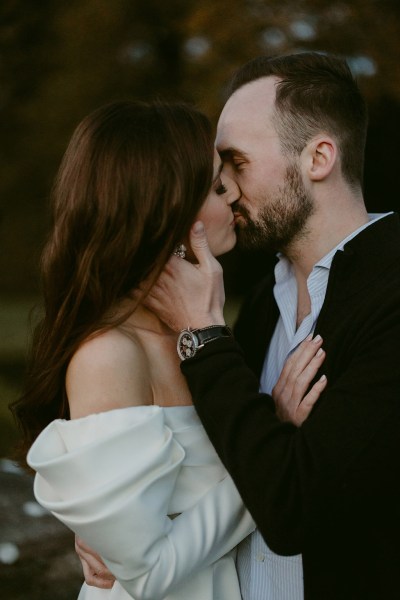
point(346, 453)
point(120, 507)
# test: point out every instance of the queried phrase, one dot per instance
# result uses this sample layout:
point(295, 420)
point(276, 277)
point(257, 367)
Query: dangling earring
point(180, 251)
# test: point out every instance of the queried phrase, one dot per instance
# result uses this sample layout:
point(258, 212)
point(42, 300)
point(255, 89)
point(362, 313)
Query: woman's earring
point(180, 251)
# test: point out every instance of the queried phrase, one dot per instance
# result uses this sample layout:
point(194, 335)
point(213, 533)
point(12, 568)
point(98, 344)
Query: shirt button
point(260, 557)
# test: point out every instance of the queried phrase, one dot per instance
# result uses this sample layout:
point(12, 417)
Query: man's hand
point(95, 571)
point(299, 370)
point(190, 295)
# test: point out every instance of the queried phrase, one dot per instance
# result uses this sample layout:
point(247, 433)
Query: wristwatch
point(190, 341)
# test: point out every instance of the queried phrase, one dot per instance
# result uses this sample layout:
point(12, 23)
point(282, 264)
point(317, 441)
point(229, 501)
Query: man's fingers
point(95, 571)
point(95, 579)
point(199, 245)
point(95, 567)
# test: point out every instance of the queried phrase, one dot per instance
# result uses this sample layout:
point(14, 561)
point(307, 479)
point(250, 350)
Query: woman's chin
point(226, 247)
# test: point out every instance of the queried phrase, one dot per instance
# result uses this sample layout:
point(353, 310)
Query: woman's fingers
point(292, 401)
point(308, 402)
point(302, 356)
point(299, 360)
point(303, 379)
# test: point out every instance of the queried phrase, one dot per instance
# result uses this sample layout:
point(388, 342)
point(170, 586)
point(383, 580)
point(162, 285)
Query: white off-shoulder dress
point(144, 487)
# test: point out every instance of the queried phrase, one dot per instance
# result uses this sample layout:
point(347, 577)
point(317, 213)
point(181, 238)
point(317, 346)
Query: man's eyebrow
point(232, 151)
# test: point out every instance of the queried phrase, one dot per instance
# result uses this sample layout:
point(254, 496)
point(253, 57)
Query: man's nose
point(234, 192)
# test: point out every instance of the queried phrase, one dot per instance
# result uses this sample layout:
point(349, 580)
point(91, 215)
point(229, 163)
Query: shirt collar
point(283, 267)
point(326, 261)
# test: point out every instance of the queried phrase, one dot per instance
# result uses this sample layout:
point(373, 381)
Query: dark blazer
point(329, 489)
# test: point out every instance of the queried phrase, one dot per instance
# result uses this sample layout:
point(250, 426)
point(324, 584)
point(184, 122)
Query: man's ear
point(320, 156)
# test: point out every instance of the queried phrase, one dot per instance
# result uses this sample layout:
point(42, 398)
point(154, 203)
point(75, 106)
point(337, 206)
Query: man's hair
point(315, 93)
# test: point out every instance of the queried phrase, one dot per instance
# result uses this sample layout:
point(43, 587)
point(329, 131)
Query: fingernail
point(198, 227)
point(317, 339)
point(323, 378)
point(320, 351)
point(309, 338)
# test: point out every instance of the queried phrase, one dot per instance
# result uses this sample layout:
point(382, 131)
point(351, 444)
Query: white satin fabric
point(114, 477)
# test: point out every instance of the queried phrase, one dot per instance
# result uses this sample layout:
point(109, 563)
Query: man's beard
point(281, 220)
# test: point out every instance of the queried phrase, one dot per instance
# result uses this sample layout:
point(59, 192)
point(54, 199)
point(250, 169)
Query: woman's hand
point(299, 370)
point(95, 571)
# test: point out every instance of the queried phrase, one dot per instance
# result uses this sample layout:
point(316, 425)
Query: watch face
point(187, 345)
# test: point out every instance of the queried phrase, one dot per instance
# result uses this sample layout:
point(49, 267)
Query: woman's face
point(216, 212)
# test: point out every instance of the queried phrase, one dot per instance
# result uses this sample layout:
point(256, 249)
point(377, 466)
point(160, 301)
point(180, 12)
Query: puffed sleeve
point(110, 477)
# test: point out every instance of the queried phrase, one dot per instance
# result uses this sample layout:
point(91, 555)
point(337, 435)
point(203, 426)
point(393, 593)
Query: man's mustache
point(239, 210)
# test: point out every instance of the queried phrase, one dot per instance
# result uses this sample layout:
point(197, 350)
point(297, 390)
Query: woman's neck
point(145, 319)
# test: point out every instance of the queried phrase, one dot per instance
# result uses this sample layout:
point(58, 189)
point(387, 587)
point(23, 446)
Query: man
point(292, 136)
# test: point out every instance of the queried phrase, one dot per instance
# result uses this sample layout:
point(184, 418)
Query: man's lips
point(239, 214)
point(239, 211)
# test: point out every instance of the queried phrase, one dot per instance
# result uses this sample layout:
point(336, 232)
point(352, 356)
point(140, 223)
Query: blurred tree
point(25, 35)
point(59, 60)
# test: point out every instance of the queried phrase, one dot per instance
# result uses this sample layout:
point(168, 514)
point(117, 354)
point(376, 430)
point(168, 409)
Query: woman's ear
point(320, 157)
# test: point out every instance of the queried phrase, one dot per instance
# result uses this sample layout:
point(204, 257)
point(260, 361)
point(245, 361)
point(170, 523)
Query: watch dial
point(186, 345)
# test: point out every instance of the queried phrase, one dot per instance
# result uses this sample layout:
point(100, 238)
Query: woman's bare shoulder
point(108, 371)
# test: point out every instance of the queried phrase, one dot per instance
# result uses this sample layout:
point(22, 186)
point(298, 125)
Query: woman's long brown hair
point(130, 184)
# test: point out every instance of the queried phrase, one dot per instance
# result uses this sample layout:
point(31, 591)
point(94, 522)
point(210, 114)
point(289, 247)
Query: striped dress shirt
point(263, 574)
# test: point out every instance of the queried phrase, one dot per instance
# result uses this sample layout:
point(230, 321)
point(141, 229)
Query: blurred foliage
point(61, 59)
point(17, 318)
point(8, 393)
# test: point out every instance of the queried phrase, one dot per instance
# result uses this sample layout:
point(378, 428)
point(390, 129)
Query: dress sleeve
point(114, 491)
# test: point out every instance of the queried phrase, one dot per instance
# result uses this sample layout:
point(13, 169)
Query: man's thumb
point(198, 242)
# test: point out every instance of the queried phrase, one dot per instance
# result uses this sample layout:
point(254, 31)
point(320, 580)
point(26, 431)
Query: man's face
point(274, 205)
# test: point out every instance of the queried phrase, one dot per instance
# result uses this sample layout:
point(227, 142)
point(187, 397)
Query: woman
point(121, 457)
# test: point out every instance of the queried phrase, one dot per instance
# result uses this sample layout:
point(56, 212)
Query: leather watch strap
point(190, 341)
point(207, 334)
